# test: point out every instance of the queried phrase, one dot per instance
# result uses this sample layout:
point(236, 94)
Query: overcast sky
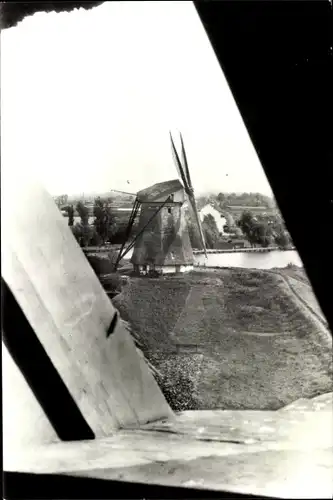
point(88, 98)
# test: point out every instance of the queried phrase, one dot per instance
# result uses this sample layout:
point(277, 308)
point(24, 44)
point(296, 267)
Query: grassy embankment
point(300, 284)
point(257, 347)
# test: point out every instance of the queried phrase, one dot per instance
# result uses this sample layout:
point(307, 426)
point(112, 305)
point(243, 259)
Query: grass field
point(257, 346)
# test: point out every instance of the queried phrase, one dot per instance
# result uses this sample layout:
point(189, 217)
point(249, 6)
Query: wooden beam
point(278, 454)
point(70, 312)
point(36, 367)
point(20, 406)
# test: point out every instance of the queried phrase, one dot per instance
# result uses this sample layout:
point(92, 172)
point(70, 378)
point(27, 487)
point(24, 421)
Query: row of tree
point(245, 200)
point(103, 227)
point(61, 200)
point(264, 230)
point(260, 231)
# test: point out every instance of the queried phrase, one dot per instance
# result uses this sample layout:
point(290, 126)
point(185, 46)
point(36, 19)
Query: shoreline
point(244, 250)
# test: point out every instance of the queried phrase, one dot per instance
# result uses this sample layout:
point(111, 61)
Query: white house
point(219, 218)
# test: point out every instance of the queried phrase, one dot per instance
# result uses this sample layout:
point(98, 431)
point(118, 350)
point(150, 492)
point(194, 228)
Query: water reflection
point(249, 260)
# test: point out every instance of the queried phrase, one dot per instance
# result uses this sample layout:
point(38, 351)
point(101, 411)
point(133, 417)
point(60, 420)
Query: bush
point(85, 235)
point(101, 265)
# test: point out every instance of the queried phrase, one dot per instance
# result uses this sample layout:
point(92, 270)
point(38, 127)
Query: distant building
point(218, 216)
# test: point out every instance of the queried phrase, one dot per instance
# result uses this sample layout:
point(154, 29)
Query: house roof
point(159, 190)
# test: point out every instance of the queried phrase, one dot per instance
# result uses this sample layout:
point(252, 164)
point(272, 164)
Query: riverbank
point(231, 338)
point(244, 250)
point(102, 259)
point(260, 258)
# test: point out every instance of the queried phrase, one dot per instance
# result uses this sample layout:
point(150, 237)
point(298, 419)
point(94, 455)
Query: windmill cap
point(159, 190)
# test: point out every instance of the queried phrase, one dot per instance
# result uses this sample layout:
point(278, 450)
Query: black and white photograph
point(166, 249)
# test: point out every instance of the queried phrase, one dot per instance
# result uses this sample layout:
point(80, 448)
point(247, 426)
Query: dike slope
point(301, 287)
point(228, 338)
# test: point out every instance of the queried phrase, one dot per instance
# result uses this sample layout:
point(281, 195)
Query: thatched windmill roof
point(159, 190)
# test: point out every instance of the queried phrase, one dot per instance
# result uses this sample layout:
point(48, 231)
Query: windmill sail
point(191, 194)
point(178, 164)
point(188, 186)
point(184, 158)
point(197, 218)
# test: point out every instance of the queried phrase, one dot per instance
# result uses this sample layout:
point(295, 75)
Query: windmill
point(163, 244)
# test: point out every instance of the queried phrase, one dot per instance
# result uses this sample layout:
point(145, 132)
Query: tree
point(85, 236)
point(244, 199)
point(104, 224)
point(221, 197)
point(82, 229)
point(281, 236)
point(70, 213)
point(83, 212)
point(210, 231)
point(77, 233)
point(221, 200)
point(263, 234)
point(282, 239)
point(258, 232)
point(246, 223)
point(61, 200)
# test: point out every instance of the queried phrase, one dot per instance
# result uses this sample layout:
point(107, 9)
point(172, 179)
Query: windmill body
point(164, 245)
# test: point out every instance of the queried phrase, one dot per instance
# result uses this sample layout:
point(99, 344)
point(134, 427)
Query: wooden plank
point(296, 468)
point(310, 422)
point(70, 313)
point(129, 448)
